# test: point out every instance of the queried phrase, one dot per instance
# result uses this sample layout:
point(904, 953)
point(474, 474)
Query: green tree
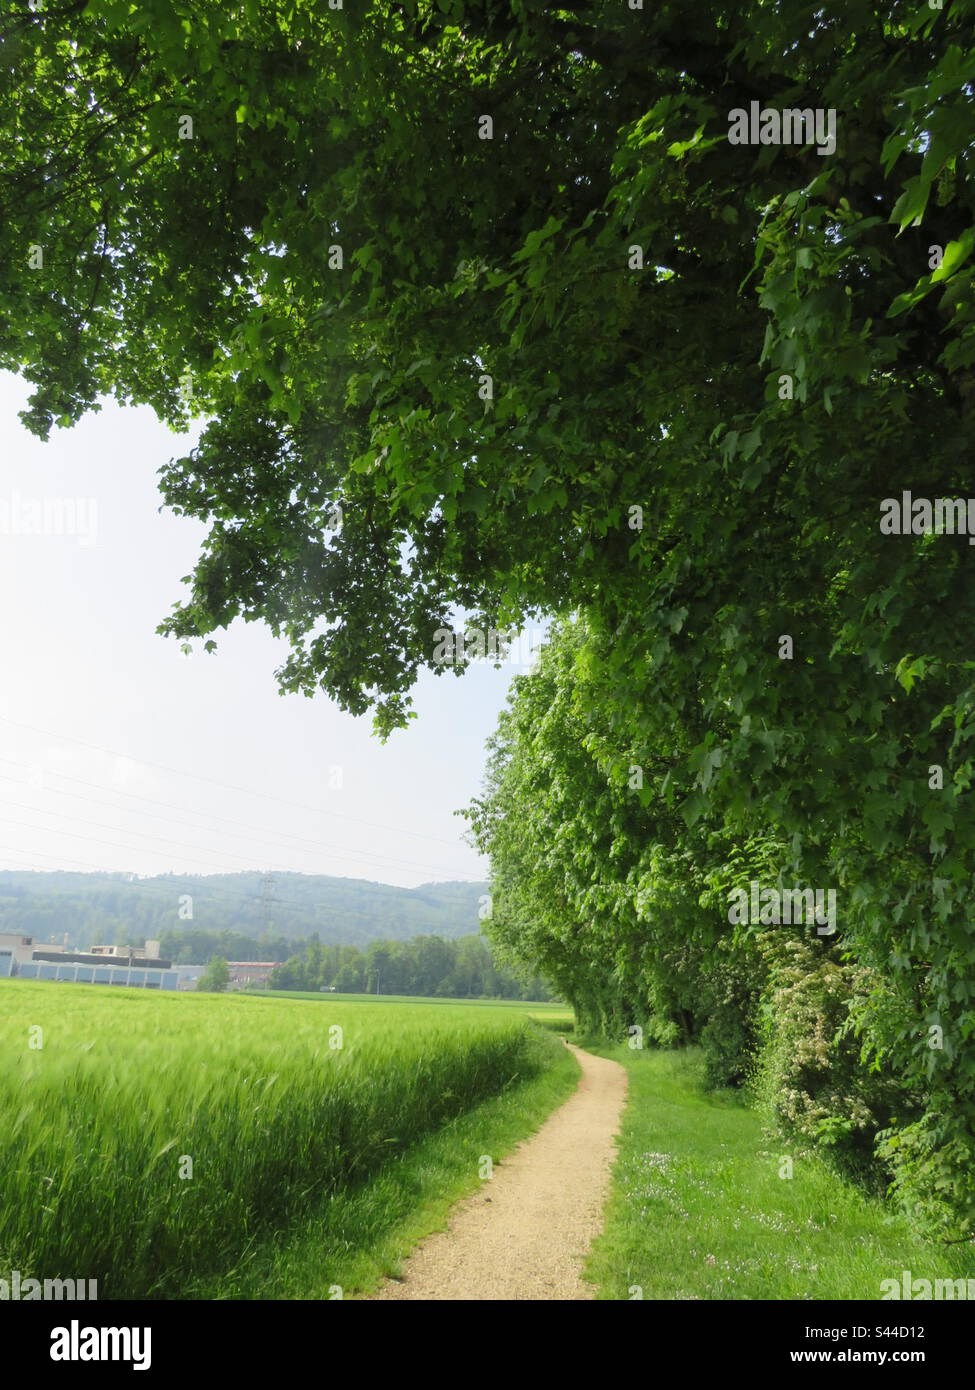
point(167, 247)
point(433, 962)
point(216, 977)
point(348, 980)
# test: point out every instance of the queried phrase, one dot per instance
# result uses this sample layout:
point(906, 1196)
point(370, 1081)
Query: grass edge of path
point(358, 1237)
point(700, 1210)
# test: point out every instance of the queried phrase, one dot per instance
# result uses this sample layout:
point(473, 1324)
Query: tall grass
point(131, 1092)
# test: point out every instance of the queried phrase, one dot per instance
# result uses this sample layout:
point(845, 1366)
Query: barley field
point(148, 1140)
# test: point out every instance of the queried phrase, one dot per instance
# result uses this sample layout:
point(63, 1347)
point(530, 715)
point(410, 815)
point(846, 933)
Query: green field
point(159, 1143)
point(525, 1005)
point(540, 1011)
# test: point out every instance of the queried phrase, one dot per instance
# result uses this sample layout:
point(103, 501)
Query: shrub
point(809, 1071)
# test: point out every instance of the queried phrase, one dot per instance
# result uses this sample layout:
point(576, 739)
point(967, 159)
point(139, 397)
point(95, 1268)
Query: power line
point(267, 900)
point(227, 786)
point(131, 849)
point(98, 839)
point(265, 835)
point(264, 838)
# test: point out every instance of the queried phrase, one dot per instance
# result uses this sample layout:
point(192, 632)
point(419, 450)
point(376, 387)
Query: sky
point(118, 753)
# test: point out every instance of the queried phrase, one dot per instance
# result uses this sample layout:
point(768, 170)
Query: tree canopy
point(323, 229)
point(215, 978)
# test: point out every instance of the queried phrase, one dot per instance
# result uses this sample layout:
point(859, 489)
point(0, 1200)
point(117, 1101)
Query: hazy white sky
point(119, 753)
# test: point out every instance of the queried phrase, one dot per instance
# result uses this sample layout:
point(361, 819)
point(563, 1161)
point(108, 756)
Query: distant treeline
point(426, 965)
point(199, 947)
point(254, 917)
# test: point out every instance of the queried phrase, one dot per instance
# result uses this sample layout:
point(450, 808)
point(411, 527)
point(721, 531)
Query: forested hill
point(98, 907)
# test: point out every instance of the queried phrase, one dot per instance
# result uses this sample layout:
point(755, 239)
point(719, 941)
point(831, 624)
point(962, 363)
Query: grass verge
point(347, 1244)
point(699, 1209)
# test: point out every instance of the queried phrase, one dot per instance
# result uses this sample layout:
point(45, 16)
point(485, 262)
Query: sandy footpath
point(526, 1232)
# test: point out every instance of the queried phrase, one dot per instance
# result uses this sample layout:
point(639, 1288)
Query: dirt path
point(525, 1233)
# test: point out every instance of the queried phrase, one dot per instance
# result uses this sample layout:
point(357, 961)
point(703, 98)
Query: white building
point(21, 947)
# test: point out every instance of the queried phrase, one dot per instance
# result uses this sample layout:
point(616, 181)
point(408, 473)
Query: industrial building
point(99, 965)
point(250, 972)
point(16, 947)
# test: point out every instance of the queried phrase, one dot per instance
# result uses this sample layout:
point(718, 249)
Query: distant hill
point(95, 907)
